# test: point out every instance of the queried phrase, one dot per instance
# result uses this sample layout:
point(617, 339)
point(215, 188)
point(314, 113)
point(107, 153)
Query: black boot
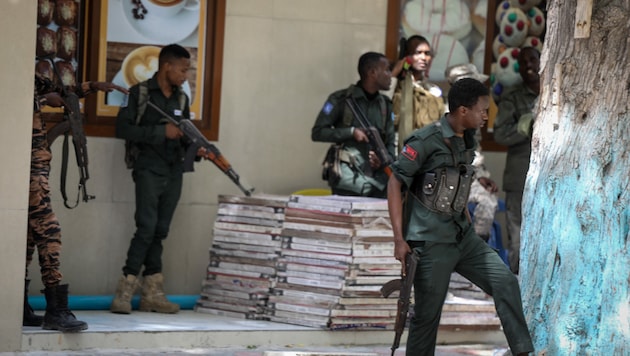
point(29, 317)
point(58, 316)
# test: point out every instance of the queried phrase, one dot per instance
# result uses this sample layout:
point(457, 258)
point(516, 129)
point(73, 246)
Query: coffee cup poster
point(135, 31)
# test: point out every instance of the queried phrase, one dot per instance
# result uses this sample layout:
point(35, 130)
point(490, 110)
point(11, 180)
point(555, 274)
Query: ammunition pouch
point(346, 171)
point(330, 167)
point(446, 190)
point(131, 153)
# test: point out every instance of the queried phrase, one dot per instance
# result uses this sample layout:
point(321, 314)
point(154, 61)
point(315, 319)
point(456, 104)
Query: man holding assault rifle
point(161, 144)
point(427, 199)
point(359, 122)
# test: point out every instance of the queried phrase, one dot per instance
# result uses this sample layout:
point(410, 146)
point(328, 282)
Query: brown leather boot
point(124, 292)
point(153, 298)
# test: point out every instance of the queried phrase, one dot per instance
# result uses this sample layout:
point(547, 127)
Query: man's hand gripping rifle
point(373, 135)
point(212, 152)
point(404, 284)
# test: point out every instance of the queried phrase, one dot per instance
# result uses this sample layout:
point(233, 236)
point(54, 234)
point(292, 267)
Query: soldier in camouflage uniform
point(44, 232)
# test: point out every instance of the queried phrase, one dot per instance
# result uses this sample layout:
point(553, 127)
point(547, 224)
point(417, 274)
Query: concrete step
point(189, 330)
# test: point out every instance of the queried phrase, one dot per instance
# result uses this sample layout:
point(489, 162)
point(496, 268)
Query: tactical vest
point(132, 150)
point(446, 190)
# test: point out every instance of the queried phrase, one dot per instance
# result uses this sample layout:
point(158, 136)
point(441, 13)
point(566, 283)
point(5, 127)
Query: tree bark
point(575, 265)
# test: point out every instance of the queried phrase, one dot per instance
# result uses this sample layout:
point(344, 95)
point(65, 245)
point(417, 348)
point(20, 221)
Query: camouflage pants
point(487, 204)
point(44, 231)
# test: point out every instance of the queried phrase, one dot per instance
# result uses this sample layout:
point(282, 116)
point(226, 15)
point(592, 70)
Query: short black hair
point(173, 52)
point(368, 61)
point(466, 92)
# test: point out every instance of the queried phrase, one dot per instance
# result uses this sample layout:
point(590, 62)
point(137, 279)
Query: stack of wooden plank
point(245, 248)
point(320, 280)
point(317, 261)
point(372, 265)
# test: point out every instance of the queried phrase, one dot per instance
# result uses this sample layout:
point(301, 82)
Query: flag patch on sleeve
point(327, 108)
point(409, 153)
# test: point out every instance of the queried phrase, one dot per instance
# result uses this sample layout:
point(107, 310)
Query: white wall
point(16, 101)
point(281, 59)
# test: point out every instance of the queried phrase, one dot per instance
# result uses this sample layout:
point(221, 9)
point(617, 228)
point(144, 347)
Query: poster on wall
point(132, 34)
point(456, 30)
point(58, 42)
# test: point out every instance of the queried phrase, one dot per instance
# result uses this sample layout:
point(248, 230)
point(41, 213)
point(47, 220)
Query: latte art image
point(140, 64)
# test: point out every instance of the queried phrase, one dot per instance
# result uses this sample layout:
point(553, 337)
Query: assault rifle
point(373, 135)
point(72, 123)
point(199, 140)
point(404, 285)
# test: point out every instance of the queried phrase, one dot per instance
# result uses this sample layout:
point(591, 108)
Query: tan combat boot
point(153, 298)
point(124, 292)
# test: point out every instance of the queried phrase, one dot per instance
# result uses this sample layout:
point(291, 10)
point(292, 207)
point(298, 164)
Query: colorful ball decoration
point(501, 9)
point(506, 70)
point(497, 90)
point(524, 4)
point(514, 27)
point(536, 21)
point(533, 41)
point(498, 46)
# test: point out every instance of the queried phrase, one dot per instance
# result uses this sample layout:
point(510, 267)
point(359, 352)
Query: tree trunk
point(575, 265)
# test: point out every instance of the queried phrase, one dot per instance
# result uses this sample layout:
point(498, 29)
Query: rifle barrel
point(214, 155)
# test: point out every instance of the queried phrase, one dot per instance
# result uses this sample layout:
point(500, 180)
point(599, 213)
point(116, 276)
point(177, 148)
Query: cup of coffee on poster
point(169, 8)
point(140, 64)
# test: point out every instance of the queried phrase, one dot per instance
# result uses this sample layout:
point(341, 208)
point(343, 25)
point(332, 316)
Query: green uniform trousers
point(156, 199)
point(479, 263)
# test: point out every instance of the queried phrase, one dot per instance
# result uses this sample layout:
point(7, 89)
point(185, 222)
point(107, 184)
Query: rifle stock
point(73, 124)
point(373, 135)
point(213, 154)
point(404, 284)
point(54, 132)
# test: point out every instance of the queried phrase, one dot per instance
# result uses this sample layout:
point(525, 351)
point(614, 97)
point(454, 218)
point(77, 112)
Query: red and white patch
point(409, 153)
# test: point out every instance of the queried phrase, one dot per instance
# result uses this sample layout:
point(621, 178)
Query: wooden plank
point(583, 19)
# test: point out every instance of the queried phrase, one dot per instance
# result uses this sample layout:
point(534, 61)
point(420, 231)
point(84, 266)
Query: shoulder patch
point(409, 153)
point(327, 109)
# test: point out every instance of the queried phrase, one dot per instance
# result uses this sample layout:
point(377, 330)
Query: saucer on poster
point(161, 30)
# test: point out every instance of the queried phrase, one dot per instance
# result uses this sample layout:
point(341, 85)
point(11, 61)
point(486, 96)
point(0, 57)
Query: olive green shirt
point(513, 105)
point(157, 153)
point(334, 122)
point(426, 151)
